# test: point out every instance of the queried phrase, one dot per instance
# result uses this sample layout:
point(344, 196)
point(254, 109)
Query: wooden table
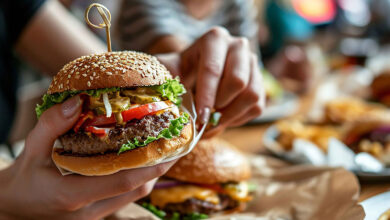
point(249, 139)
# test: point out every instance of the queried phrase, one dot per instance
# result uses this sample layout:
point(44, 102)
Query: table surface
point(249, 139)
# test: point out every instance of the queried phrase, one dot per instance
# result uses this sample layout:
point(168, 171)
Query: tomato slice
point(130, 114)
point(83, 117)
point(143, 110)
point(100, 132)
point(101, 120)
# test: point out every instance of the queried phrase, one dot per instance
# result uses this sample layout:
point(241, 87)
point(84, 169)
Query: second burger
point(212, 179)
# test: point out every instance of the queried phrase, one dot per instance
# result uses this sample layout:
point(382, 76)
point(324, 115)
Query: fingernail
point(204, 115)
point(70, 107)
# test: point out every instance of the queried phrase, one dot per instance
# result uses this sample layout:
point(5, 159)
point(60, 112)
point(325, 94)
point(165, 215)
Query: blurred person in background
point(224, 72)
point(283, 34)
point(172, 25)
point(286, 27)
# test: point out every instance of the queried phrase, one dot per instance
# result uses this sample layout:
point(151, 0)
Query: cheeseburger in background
point(131, 113)
point(209, 180)
point(380, 88)
point(371, 136)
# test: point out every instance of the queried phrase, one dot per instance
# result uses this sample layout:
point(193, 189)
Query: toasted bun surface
point(380, 84)
point(111, 69)
point(110, 163)
point(211, 161)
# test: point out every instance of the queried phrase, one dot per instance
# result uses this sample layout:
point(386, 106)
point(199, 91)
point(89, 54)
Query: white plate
point(286, 106)
point(270, 143)
point(374, 207)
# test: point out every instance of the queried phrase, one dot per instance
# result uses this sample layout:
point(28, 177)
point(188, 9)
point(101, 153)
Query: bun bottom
point(105, 164)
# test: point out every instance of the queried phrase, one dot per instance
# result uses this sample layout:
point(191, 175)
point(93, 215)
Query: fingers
point(228, 77)
point(54, 122)
point(84, 190)
point(236, 73)
point(106, 207)
point(249, 115)
point(211, 65)
point(249, 103)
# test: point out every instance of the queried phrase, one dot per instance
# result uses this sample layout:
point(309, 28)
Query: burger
point(380, 88)
point(212, 179)
point(370, 136)
point(349, 109)
point(131, 113)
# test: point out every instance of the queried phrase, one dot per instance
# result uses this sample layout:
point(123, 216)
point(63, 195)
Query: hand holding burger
point(226, 78)
point(32, 187)
point(131, 113)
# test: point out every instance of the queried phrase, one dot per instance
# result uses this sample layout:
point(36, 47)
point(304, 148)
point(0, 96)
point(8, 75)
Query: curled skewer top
point(106, 16)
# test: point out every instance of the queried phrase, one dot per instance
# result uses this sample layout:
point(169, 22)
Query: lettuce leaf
point(157, 212)
point(175, 216)
point(173, 130)
point(172, 89)
point(52, 99)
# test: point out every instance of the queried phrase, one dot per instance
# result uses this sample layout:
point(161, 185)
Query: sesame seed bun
point(105, 164)
point(111, 69)
point(106, 70)
point(212, 161)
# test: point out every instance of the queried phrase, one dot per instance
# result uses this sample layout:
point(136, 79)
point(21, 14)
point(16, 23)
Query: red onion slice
point(162, 184)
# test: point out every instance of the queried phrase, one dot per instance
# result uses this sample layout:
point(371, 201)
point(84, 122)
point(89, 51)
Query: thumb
point(53, 123)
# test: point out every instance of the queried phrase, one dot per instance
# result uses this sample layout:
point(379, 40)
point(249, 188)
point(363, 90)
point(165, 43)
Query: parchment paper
point(187, 106)
point(299, 192)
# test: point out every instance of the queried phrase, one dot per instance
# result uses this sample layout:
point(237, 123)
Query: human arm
point(167, 44)
point(33, 188)
point(54, 37)
point(241, 20)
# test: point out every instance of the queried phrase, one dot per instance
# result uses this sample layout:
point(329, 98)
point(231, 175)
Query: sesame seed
point(109, 73)
point(85, 75)
point(68, 76)
point(89, 84)
point(91, 77)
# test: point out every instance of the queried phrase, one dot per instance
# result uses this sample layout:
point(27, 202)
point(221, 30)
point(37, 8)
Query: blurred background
point(313, 53)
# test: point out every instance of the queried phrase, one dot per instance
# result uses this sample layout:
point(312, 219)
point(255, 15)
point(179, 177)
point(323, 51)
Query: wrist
point(5, 199)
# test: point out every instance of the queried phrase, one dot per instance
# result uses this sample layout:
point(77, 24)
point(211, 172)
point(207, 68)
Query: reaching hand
point(225, 76)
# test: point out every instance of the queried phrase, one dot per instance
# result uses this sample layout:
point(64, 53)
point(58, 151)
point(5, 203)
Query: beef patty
point(195, 205)
point(82, 144)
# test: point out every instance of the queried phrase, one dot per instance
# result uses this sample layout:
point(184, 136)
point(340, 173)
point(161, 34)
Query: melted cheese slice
point(177, 194)
point(238, 192)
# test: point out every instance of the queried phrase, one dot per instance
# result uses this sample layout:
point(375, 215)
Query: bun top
point(211, 161)
point(362, 126)
point(110, 69)
point(380, 84)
